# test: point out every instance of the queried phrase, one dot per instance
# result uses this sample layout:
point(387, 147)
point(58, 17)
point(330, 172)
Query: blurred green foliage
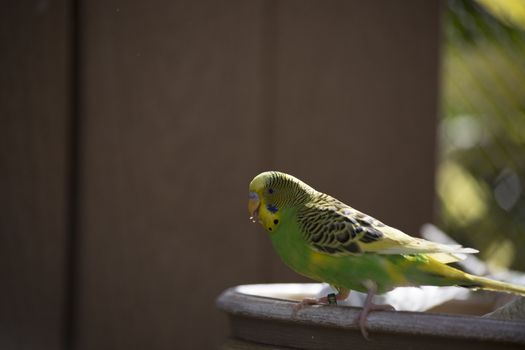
point(481, 175)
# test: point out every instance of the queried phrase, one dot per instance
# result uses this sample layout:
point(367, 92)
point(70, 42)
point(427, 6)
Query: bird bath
point(261, 318)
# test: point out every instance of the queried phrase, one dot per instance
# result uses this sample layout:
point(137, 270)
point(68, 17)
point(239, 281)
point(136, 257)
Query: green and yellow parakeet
point(326, 240)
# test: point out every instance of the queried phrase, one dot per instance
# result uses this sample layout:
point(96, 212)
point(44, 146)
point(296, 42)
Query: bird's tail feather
point(490, 284)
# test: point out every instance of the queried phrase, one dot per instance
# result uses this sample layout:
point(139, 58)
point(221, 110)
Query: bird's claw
point(308, 302)
point(362, 317)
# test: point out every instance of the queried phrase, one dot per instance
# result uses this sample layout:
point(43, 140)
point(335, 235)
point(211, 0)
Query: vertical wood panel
point(356, 103)
point(170, 118)
point(34, 166)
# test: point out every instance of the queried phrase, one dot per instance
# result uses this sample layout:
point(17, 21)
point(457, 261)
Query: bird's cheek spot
point(272, 225)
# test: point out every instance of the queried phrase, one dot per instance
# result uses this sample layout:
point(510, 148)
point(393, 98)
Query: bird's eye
point(271, 190)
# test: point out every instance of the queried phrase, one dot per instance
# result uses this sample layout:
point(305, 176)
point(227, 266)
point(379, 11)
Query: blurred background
point(129, 133)
point(481, 172)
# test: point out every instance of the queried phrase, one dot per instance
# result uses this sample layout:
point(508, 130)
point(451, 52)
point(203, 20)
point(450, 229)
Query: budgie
point(326, 240)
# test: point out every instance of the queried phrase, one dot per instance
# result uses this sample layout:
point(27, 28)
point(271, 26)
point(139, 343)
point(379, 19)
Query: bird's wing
point(343, 230)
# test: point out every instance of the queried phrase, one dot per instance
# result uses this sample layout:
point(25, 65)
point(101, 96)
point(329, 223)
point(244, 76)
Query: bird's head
point(272, 192)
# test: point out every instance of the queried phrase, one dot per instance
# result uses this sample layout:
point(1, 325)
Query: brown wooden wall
point(35, 115)
point(130, 130)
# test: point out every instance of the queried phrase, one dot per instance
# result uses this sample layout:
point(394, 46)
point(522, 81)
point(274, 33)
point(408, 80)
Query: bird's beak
point(253, 206)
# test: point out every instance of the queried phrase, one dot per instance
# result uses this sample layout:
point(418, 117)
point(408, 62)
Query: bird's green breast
point(291, 246)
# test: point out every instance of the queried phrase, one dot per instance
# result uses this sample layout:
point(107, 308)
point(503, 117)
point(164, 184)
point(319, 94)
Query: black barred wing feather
point(332, 227)
point(338, 229)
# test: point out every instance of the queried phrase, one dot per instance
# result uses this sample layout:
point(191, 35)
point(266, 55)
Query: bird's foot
point(308, 302)
point(369, 306)
point(330, 299)
point(314, 301)
point(362, 317)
